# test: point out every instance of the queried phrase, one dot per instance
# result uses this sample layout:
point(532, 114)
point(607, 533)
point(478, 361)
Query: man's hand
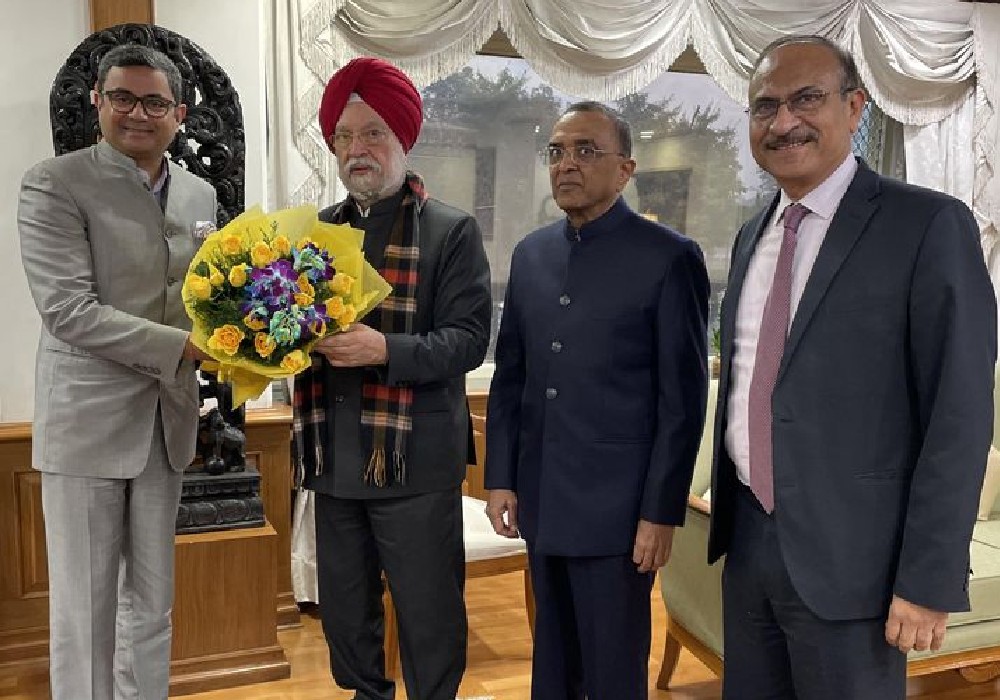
point(358, 346)
point(914, 627)
point(192, 352)
point(652, 546)
point(502, 502)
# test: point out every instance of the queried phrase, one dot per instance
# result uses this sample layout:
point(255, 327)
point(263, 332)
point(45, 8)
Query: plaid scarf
point(385, 410)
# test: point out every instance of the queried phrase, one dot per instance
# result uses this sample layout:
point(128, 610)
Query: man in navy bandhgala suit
point(596, 411)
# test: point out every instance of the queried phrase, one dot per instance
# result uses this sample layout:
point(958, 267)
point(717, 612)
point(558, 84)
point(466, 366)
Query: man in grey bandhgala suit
point(107, 234)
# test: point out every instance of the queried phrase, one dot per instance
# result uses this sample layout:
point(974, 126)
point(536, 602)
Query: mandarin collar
point(382, 207)
point(116, 157)
point(608, 221)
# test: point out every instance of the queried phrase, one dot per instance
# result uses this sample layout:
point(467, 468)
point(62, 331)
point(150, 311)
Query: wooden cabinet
point(261, 555)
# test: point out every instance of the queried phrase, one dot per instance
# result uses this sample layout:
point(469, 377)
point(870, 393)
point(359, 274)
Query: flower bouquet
point(263, 290)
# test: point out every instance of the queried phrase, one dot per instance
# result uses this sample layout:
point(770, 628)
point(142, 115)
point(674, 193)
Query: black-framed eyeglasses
point(581, 154)
point(123, 102)
point(801, 104)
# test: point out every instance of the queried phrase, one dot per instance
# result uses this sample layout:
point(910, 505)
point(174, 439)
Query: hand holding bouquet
point(262, 291)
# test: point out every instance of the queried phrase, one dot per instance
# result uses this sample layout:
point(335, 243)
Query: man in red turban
point(382, 422)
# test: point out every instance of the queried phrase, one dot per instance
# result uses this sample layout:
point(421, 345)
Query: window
point(485, 125)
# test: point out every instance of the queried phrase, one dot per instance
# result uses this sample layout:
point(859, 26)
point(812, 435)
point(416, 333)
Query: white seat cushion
point(480, 540)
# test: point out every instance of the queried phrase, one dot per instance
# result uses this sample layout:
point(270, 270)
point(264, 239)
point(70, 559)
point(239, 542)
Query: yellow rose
point(231, 244)
point(264, 344)
point(261, 254)
point(214, 276)
point(349, 315)
point(334, 307)
point(307, 293)
point(254, 323)
point(341, 283)
point(238, 275)
point(294, 361)
point(200, 287)
point(281, 245)
point(227, 339)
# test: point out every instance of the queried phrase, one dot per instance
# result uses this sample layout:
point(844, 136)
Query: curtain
point(918, 58)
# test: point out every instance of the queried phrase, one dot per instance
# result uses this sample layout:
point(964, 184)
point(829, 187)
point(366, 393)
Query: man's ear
point(181, 112)
point(94, 96)
point(625, 174)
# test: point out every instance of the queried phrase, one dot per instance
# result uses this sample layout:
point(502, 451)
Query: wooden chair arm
point(699, 504)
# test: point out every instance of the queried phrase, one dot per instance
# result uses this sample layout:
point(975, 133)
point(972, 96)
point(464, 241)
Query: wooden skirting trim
point(228, 670)
point(288, 611)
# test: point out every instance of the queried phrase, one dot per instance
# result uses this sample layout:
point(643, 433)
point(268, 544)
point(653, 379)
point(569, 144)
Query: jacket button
point(551, 393)
point(339, 398)
point(564, 300)
point(171, 281)
point(556, 346)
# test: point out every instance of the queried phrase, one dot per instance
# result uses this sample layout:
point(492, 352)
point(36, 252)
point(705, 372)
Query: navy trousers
point(592, 628)
point(776, 648)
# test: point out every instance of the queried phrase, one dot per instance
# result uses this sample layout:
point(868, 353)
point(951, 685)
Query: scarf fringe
point(375, 471)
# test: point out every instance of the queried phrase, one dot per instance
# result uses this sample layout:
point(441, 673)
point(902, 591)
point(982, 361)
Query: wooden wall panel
point(34, 564)
point(108, 13)
point(23, 565)
point(24, 609)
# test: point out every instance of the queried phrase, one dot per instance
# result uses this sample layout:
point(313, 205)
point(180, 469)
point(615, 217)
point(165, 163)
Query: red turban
point(384, 88)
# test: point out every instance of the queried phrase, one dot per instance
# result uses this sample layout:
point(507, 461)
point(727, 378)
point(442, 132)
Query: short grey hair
point(622, 129)
point(138, 55)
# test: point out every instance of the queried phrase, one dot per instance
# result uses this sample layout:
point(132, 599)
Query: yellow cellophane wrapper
point(343, 242)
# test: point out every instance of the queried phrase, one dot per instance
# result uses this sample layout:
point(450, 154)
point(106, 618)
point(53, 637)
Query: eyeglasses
point(368, 137)
point(801, 104)
point(581, 155)
point(123, 102)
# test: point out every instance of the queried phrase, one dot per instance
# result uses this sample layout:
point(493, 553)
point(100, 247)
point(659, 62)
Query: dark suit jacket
point(598, 398)
point(883, 408)
point(450, 336)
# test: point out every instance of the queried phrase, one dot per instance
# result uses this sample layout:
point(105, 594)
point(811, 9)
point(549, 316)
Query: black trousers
point(776, 648)
point(592, 628)
point(417, 541)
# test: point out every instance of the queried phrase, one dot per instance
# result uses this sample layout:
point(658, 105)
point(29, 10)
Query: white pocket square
point(201, 229)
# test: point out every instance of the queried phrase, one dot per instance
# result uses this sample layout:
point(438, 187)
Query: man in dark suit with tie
point(855, 403)
point(596, 411)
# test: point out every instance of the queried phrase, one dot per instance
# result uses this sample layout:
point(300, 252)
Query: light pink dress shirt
point(822, 203)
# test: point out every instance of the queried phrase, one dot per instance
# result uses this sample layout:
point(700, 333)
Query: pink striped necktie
point(770, 348)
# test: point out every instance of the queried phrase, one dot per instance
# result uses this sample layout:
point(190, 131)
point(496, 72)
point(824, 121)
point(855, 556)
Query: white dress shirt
point(822, 203)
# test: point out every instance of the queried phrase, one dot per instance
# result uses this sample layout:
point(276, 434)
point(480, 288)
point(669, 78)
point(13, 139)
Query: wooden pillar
point(108, 13)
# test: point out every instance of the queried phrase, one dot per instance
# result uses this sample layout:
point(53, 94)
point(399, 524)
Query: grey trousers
point(111, 581)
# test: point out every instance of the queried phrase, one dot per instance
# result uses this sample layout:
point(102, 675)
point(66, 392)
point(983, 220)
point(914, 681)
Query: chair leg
point(671, 653)
point(390, 644)
point(529, 602)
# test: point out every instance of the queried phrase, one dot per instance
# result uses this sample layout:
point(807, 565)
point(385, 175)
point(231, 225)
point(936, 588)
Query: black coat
point(451, 335)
